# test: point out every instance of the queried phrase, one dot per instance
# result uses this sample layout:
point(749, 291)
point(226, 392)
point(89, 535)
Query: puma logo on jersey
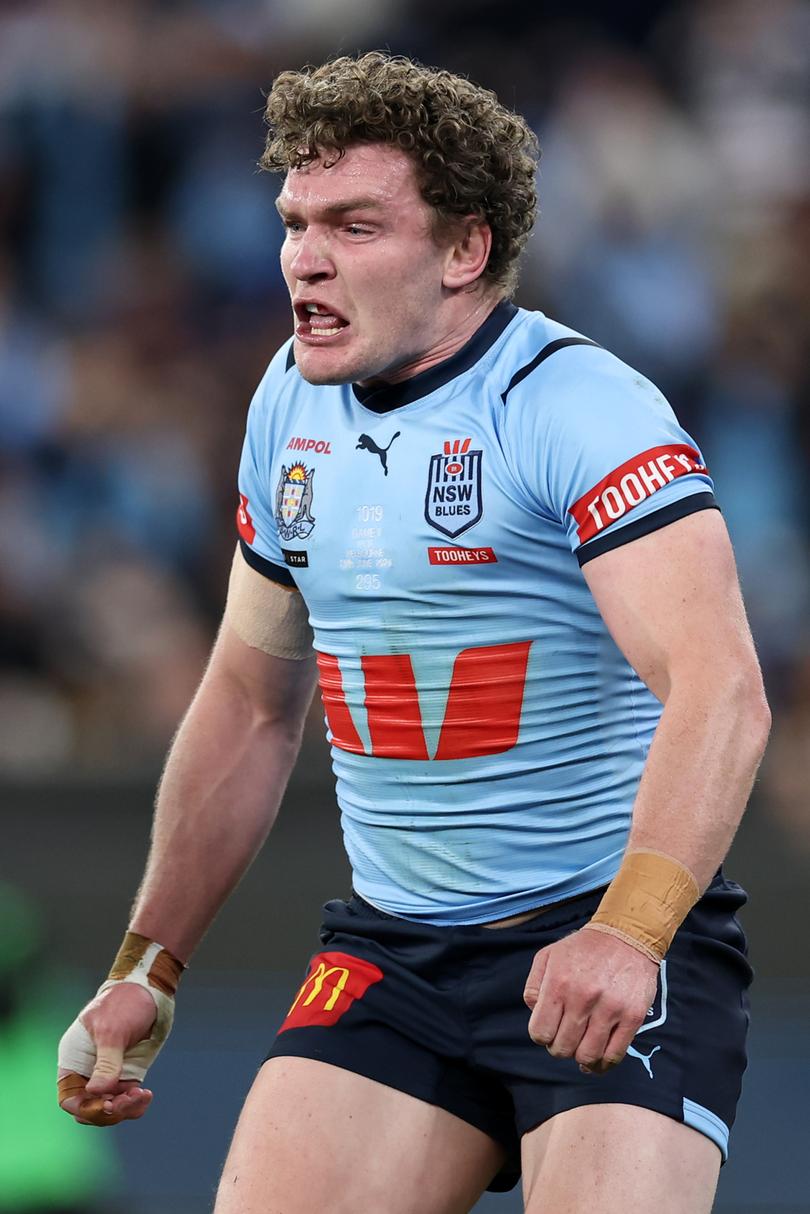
point(366, 443)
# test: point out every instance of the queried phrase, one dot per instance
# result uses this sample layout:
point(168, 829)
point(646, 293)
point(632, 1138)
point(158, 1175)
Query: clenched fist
point(115, 1021)
point(105, 1053)
point(589, 994)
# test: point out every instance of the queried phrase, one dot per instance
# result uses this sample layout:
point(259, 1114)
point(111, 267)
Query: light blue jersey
point(487, 734)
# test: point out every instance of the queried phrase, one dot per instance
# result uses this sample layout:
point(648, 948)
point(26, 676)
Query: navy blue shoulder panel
point(268, 569)
point(545, 353)
point(646, 525)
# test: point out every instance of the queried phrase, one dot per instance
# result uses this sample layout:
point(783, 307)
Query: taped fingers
point(109, 1061)
point(77, 1050)
point(71, 1093)
point(119, 1035)
point(70, 1085)
point(105, 1110)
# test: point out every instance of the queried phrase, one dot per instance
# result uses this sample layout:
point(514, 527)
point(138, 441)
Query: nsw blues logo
point(294, 502)
point(453, 501)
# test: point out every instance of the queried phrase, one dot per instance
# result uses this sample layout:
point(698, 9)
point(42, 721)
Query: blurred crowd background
point(140, 300)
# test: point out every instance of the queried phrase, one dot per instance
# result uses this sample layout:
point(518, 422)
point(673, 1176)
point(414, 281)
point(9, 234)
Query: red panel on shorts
point(332, 984)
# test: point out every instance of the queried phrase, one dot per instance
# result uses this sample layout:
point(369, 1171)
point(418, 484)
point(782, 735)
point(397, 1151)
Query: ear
point(469, 253)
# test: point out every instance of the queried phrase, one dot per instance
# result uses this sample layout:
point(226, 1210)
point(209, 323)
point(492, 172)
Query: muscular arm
point(672, 603)
point(224, 779)
point(223, 782)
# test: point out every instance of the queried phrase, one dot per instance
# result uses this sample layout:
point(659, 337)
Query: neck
point(456, 334)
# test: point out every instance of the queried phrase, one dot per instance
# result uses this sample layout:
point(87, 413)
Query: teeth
point(322, 320)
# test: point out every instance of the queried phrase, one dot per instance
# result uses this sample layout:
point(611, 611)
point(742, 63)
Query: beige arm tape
point(147, 964)
point(266, 615)
point(647, 901)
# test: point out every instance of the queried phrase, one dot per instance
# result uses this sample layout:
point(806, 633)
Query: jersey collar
point(384, 397)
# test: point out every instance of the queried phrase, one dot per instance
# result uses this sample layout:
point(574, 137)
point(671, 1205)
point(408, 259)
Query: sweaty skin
point(359, 243)
point(219, 795)
point(410, 302)
point(672, 603)
point(393, 301)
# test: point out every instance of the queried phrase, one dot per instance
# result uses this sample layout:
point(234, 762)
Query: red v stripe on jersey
point(482, 715)
point(341, 725)
point(486, 695)
point(392, 704)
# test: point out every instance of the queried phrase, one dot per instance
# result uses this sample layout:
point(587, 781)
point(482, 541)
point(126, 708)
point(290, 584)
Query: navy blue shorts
point(438, 1012)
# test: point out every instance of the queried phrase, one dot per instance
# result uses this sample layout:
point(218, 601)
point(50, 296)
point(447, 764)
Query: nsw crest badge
point(453, 501)
point(294, 516)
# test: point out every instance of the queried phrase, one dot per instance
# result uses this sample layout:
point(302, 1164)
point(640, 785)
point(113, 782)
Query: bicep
point(267, 615)
point(672, 603)
point(265, 645)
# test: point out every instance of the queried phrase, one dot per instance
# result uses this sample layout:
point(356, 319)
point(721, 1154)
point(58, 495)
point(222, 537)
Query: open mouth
point(318, 321)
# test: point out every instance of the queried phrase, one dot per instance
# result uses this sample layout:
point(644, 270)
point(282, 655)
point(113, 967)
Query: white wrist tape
point(77, 1050)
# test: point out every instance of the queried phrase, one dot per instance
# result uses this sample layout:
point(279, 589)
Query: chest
point(397, 504)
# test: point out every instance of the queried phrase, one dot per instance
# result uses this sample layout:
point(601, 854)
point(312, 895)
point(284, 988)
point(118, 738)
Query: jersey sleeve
point(255, 514)
point(600, 450)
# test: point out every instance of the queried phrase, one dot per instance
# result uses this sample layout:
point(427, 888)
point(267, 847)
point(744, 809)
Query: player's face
point(362, 266)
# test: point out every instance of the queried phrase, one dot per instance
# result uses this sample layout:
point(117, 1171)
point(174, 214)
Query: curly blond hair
point(472, 155)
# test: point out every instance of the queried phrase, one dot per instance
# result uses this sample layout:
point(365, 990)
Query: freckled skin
point(410, 301)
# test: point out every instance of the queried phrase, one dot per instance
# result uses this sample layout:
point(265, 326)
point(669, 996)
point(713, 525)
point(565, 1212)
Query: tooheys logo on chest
point(453, 501)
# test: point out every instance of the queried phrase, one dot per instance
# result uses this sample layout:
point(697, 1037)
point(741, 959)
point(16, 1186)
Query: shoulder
point(593, 441)
point(562, 380)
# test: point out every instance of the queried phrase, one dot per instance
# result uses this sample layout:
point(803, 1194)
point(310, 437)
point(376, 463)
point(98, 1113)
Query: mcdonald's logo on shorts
point(333, 982)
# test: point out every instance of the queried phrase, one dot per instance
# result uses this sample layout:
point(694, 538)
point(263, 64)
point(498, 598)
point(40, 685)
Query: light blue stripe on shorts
point(707, 1123)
